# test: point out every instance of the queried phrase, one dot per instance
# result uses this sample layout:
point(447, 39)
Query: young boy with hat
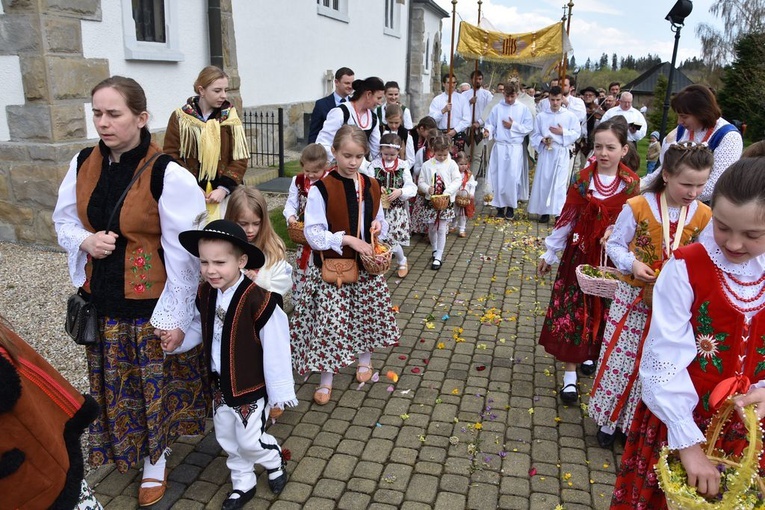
point(247, 343)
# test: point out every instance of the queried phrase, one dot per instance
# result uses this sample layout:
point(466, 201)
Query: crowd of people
point(172, 349)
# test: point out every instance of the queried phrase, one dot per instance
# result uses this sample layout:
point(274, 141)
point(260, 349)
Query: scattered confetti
point(531, 410)
point(454, 440)
point(390, 389)
point(404, 416)
point(430, 325)
point(455, 391)
point(445, 317)
point(402, 357)
point(405, 392)
point(395, 309)
point(425, 360)
point(440, 345)
point(532, 471)
point(481, 368)
point(389, 478)
point(376, 377)
point(393, 376)
point(416, 370)
point(478, 426)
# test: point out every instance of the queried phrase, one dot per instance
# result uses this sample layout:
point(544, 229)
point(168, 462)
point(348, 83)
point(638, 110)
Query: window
point(392, 18)
point(427, 54)
point(151, 30)
point(335, 9)
point(149, 18)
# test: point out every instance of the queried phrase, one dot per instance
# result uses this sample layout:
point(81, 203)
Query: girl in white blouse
point(705, 343)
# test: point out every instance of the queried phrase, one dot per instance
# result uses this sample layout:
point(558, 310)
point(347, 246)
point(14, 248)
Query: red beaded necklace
point(363, 124)
point(723, 278)
point(392, 168)
point(604, 190)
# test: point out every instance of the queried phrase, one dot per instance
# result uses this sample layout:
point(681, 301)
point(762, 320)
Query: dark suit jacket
point(320, 111)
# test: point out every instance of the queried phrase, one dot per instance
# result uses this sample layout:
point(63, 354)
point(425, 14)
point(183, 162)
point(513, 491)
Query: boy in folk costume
point(555, 131)
point(246, 339)
point(508, 124)
point(207, 137)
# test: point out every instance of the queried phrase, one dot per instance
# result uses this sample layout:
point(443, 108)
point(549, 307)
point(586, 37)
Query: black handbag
point(81, 314)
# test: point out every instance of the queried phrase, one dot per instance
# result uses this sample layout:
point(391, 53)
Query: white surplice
point(508, 166)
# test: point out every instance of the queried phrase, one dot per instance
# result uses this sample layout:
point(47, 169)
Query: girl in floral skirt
point(572, 329)
point(439, 176)
point(313, 161)
point(467, 187)
point(646, 233)
point(393, 175)
point(705, 344)
point(417, 223)
point(334, 325)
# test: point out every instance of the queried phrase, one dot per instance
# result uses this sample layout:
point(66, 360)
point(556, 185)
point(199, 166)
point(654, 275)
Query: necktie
point(344, 99)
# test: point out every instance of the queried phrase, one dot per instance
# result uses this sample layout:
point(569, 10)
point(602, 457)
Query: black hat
point(227, 231)
point(589, 89)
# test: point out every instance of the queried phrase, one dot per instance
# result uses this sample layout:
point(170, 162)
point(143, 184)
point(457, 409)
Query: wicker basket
point(488, 197)
point(295, 231)
point(746, 480)
point(379, 263)
point(648, 295)
point(601, 286)
point(462, 199)
point(440, 202)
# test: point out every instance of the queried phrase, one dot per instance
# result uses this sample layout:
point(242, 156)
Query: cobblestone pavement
point(472, 422)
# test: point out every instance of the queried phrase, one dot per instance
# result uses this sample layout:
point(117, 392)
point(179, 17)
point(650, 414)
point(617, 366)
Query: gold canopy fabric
point(543, 48)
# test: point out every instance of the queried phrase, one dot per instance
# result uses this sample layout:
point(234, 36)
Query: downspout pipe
point(409, 54)
point(215, 33)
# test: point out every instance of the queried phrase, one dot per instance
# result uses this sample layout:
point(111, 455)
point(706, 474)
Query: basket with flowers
point(462, 199)
point(440, 202)
point(601, 281)
point(379, 263)
point(740, 484)
point(295, 232)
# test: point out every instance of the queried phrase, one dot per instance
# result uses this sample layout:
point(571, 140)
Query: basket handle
point(752, 451)
point(603, 256)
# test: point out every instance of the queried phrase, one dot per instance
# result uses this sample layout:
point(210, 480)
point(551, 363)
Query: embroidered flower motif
point(706, 346)
point(140, 261)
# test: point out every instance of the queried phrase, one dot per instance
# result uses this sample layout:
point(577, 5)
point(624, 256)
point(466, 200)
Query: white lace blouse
point(670, 346)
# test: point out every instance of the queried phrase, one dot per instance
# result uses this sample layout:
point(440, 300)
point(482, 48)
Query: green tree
point(741, 97)
point(655, 114)
point(739, 17)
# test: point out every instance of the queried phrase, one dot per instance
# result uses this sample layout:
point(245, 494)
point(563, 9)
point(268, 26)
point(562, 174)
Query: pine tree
point(655, 114)
point(614, 63)
point(741, 97)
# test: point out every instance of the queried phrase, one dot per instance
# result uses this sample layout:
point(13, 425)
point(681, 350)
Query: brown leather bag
point(339, 271)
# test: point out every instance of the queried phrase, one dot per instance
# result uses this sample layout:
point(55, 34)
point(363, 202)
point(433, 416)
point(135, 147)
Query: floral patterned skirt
point(397, 217)
point(299, 275)
point(147, 399)
point(574, 323)
point(430, 215)
point(615, 372)
point(637, 485)
point(417, 222)
point(330, 327)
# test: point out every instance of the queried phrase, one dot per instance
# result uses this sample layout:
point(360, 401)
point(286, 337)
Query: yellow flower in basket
point(740, 486)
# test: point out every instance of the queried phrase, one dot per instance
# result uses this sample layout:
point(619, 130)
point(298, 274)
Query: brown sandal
point(363, 377)
point(320, 397)
point(148, 496)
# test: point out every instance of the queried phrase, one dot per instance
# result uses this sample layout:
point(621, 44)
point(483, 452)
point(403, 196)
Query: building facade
point(52, 52)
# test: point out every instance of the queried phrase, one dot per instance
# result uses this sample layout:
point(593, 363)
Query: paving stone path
point(472, 422)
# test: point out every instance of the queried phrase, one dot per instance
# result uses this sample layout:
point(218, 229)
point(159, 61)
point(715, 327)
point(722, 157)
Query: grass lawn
point(280, 227)
point(642, 148)
point(292, 168)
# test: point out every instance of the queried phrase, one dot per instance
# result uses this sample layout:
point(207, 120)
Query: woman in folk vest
point(359, 111)
point(334, 324)
point(206, 136)
point(704, 345)
point(140, 278)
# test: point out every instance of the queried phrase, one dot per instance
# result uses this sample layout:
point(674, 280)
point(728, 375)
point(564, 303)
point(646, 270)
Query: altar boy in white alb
point(555, 131)
point(508, 123)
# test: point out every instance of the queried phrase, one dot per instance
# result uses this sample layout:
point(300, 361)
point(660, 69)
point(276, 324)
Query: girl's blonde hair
point(245, 198)
point(208, 75)
point(355, 134)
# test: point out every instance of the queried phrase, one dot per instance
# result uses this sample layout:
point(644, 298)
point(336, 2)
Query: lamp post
point(681, 10)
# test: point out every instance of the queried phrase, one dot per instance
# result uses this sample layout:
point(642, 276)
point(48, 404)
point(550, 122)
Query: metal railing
point(265, 136)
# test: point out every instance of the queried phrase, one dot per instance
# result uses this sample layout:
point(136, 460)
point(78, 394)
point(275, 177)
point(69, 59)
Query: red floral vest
point(725, 345)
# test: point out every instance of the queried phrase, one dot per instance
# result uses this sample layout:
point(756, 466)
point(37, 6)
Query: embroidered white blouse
point(447, 170)
point(409, 189)
point(181, 202)
point(671, 345)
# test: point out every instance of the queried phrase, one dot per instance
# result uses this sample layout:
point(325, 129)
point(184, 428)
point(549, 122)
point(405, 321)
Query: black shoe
point(545, 218)
point(605, 440)
point(588, 368)
point(500, 212)
point(234, 504)
point(509, 213)
point(436, 265)
point(277, 484)
point(569, 396)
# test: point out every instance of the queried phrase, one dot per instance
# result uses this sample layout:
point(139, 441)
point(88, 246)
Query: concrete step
point(255, 176)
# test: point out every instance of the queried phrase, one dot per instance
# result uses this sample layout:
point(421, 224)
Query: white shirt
point(482, 98)
point(575, 106)
point(633, 116)
point(335, 121)
point(523, 122)
point(409, 189)
point(406, 121)
point(447, 170)
point(438, 104)
point(547, 119)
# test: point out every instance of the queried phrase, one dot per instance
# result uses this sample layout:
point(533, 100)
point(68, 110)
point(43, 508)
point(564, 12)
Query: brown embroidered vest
point(342, 205)
point(137, 224)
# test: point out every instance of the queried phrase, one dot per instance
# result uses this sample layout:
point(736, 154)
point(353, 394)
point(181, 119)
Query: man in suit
point(343, 89)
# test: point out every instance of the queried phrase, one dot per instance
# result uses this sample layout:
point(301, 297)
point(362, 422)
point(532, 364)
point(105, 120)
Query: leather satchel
point(82, 320)
point(339, 271)
point(81, 314)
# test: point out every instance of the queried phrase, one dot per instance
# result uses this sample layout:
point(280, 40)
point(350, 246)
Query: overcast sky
point(635, 27)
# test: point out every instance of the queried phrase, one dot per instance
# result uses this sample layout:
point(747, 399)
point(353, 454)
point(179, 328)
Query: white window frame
point(168, 51)
point(395, 17)
point(428, 51)
point(339, 14)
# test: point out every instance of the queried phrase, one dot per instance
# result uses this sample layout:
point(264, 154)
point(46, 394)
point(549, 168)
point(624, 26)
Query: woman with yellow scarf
point(207, 137)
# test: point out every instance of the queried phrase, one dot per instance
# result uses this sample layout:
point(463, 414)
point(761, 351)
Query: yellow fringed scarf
point(203, 140)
